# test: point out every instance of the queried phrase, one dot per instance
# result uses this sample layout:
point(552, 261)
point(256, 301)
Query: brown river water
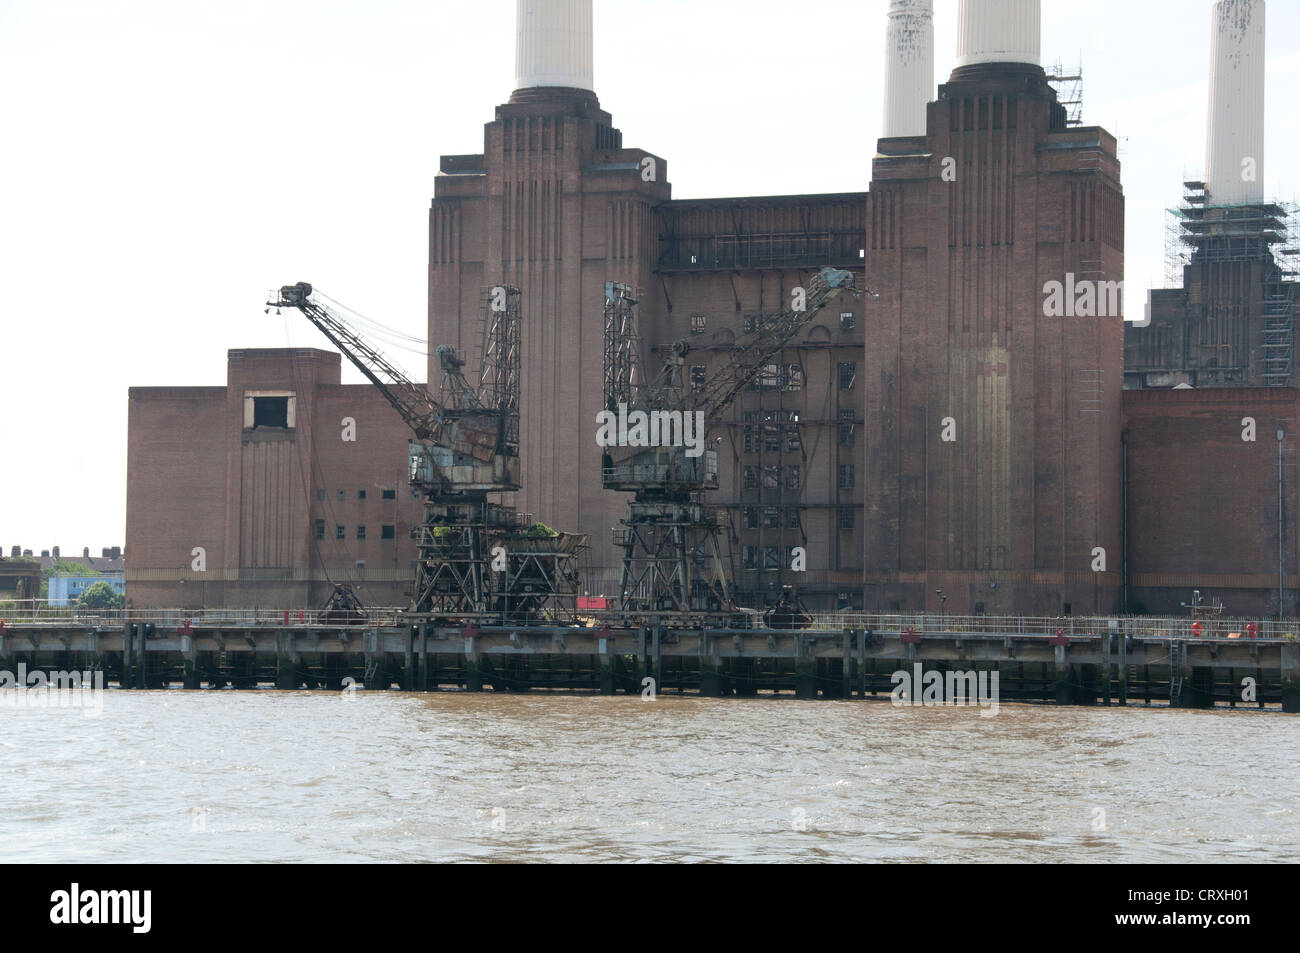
point(315, 776)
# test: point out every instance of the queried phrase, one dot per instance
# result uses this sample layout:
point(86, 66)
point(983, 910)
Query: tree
point(100, 595)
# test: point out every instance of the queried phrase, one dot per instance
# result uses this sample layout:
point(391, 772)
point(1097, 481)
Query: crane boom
point(420, 411)
point(747, 360)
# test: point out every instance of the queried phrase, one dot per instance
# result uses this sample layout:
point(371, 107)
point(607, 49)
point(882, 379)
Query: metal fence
point(1158, 627)
point(39, 611)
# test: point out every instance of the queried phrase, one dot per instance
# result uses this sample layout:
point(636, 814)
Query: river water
point(316, 776)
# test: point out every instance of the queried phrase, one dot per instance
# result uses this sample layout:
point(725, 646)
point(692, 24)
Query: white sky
point(164, 163)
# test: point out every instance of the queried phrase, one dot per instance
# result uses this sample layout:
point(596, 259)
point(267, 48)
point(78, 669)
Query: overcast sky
point(165, 163)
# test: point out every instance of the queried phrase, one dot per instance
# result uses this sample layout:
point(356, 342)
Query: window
point(271, 412)
point(698, 376)
point(772, 477)
point(792, 441)
point(846, 517)
point(751, 440)
point(792, 519)
point(848, 374)
point(751, 478)
point(771, 439)
point(320, 528)
point(390, 494)
point(698, 323)
point(749, 557)
point(847, 320)
point(794, 377)
point(361, 494)
point(340, 532)
point(751, 518)
point(750, 324)
point(320, 495)
point(769, 377)
point(361, 532)
point(795, 477)
point(846, 476)
point(771, 557)
point(388, 531)
point(846, 429)
point(361, 564)
point(772, 518)
point(343, 495)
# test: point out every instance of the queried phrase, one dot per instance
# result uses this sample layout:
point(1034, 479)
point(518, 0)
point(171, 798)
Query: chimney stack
point(554, 44)
point(999, 31)
point(1234, 159)
point(909, 66)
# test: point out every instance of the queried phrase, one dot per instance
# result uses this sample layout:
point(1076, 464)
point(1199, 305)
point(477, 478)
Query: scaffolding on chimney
point(1198, 231)
point(1069, 91)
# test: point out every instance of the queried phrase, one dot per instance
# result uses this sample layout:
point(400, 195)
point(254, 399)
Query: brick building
point(945, 433)
point(250, 495)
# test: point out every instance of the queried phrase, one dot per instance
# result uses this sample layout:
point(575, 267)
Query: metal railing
point(29, 612)
point(1156, 627)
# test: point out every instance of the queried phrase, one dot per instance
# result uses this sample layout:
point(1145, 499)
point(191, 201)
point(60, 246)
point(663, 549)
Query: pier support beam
point(710, 679)
point(286, 662)
point(1066, 676)
point(408, 661)
point(1291, 679)
point(192, 678)
point(128, 657)
point(805, 669)
point(605, 667)
point(471, 668)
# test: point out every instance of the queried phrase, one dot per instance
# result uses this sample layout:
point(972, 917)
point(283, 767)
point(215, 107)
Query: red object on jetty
point(470, 631)
point(1060, 638)
point(1196, 628)
point(910, 635)
point(1252, 630)
point(595, 602)
point(286, 616)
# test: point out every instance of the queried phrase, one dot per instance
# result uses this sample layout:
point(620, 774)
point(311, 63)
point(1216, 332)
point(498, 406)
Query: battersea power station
point(952, 410)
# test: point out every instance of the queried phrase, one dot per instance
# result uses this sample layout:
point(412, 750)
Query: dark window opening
point(320, 495)
point(271, 412)
point(340, 532)
point(846, 517)
point(343, 495)
point(361, 494)
point(361, 532)
point(390, 494)
point(320, 529)
point(698, 323)
point(848, 375)
point(388, 532)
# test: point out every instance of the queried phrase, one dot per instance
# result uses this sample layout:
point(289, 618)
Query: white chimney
point(553, 44)
point(999, 31)
point(909, 66)
point(1234, 160)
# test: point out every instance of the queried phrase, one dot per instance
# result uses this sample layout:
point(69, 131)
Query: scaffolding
point(1069, 91)
point(1200, 232)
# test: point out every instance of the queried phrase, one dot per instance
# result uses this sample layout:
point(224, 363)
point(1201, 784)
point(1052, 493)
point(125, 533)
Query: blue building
point(66, 590)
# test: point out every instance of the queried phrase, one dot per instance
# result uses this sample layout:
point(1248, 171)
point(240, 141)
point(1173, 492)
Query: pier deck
point(1068, 661)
